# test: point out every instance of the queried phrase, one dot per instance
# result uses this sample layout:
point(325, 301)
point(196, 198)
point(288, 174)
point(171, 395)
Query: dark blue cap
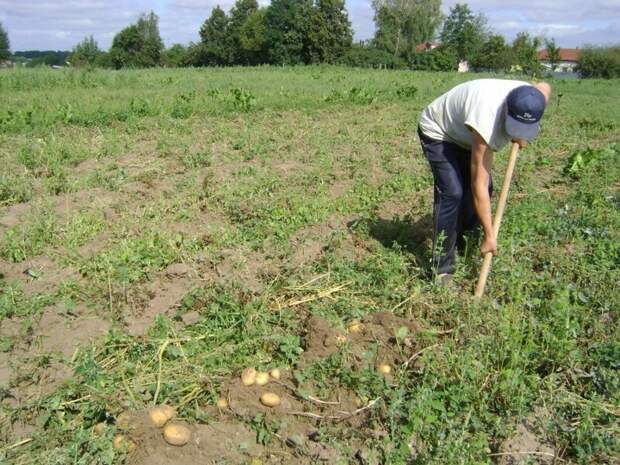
point(525, 107)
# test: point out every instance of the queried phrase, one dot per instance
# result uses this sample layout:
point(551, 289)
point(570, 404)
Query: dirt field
point(159, 234)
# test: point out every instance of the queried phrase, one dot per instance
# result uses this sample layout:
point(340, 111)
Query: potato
point(275, 373)
point(120, 442)
point(269, 399)
point(384, 368)
point(123, 421)
point(177, 434)
point(160, 415)
point(222, 403)
point(262, 378)
point(99, 428)
point(355, 327)
point(248, 376)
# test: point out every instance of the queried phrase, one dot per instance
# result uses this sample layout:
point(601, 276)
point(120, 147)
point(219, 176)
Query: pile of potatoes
point(356, 327)
point(177, 434)
point(250, 377)
point(174, 433)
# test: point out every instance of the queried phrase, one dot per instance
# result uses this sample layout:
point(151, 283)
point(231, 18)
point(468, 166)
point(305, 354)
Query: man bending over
point(459, 132)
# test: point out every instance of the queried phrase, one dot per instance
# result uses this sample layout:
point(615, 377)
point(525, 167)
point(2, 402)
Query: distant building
point(567, 63)
point(426, 46)
point(6, 64)
point(463, 66)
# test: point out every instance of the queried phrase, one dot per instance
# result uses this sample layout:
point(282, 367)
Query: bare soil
point(58, 332)
point(524, 447)
point(161, 295)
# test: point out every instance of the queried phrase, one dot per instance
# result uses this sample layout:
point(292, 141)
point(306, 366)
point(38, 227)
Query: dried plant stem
point(160, 357)
point(417, 354)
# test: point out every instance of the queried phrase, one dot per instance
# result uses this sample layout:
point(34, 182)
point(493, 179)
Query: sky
point(60, 24)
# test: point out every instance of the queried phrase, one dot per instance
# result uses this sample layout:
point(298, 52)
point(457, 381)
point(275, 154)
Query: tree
point(104, 60)
point(85, 53)
point(368, 56)
point(494, 55)
point(195, 54)
point(403, 24)
point(253, 38)
point(153, 47)
point(215, 49)
point(525, 53)
point(553, 53)
point(175, 56)
point(126, 47)
point(239, 15)
point(47, 58)
point(5, 45)
point(330, 31)
point(138, 45)
point(599, 62)
point(464, 32)
point(288, 26)
point(439, 59)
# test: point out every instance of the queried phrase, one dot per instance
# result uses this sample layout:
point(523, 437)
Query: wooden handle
point(497, 221)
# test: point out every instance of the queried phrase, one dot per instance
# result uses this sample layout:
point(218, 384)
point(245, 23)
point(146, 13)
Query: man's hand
point(522, 143)
point(481, 162)
point(488, 245)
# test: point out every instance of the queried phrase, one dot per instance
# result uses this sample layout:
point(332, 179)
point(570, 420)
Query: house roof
point(426, 46)
point(566, 54)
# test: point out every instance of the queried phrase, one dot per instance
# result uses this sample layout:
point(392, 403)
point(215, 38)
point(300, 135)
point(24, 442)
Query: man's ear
point(545, 89)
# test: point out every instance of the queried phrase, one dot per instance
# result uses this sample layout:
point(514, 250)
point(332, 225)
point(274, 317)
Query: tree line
point(287, 32)
point(292, 32)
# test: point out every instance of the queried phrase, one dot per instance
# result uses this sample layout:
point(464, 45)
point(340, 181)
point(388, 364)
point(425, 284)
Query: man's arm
point(481, 163)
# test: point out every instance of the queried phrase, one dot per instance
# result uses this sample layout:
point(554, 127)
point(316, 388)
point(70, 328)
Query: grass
point(233, 172)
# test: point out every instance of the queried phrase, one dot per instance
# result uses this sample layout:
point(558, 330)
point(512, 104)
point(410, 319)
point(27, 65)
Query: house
point(426, 46)
point(567, 63)
point(6, 64)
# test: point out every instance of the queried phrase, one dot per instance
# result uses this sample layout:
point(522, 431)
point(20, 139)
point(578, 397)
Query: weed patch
point(249, 204)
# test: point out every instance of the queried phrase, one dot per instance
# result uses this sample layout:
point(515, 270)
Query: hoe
point(497, 221)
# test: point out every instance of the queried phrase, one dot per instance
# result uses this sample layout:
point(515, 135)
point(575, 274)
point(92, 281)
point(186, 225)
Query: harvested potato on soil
point(275, 373)
point(160, 415)
point(177, 434)
point(120, 442)
point(123, 421)
point(222, 403)
point(262, 378)
point(355, 327)
point(269, 399)
point(384, 368)
point(99, 428)
point(248, 376)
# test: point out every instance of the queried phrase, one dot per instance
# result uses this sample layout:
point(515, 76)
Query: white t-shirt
point(477, 104)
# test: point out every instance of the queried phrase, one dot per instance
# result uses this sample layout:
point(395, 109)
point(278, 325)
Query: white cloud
point(504, 25)
point(38, 24)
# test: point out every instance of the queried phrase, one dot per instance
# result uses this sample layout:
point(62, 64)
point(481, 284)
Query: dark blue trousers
point(453, 206)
